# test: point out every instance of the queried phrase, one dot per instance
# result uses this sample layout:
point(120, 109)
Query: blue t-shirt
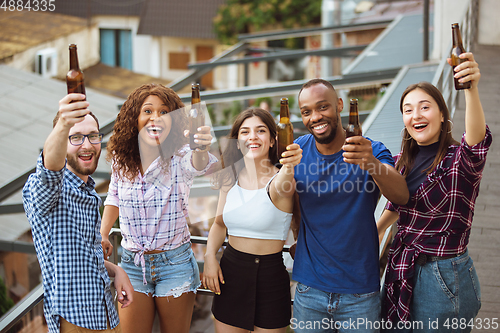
point(337, 246)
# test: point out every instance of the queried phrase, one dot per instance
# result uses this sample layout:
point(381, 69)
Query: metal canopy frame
point(293, 87)
point(197, 73)
point(304, 32)
point(346, 51)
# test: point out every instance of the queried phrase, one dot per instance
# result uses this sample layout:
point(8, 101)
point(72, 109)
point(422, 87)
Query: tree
point(243, 16)
point(5, 302)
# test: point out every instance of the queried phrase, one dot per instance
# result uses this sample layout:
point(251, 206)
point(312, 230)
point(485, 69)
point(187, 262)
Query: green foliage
point(291, 102)
point(212, 114)
point(259, 100)
point(5, 302)
point(243, 16)
point(235, 110)
point(230, 113)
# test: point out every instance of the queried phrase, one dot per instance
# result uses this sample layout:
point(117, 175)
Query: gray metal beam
point(346, 51)
point(193, 75)
point(13, 185)
point(291, 33)
point(17, 246)
point(293, 87)
point(15, 314)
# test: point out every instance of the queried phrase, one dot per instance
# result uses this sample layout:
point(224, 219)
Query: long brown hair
point(409, 147)
point(123, 146)
point(231, 162)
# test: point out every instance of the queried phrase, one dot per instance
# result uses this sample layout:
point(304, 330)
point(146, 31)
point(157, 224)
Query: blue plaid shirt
point(63, 212)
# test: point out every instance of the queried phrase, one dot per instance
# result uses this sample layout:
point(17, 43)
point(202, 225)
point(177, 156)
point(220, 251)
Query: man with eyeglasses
point(62, 207)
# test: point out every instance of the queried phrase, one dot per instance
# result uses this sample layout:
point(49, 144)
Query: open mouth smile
point(86, 157)
point(420, 126)
point(320, 128)
point(253, 146)
point(154, 131)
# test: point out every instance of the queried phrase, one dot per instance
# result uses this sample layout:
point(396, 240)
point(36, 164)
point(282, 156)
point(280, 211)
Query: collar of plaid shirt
point(449, 227)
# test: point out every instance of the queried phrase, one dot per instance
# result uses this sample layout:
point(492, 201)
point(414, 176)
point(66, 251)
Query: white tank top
point(252, 214)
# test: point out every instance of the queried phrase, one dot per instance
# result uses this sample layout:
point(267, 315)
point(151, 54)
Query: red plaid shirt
point(436, 221)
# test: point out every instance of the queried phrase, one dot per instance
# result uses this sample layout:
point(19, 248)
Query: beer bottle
point(196, 117)
point(74, 78)
point(284, 127)
point(353, 128)
point(456, 51)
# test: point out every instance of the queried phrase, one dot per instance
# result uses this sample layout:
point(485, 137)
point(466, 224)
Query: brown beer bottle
point(353, 128)
point(284, 127)
point(74, 78)
point(196, 117)
point(456, 51)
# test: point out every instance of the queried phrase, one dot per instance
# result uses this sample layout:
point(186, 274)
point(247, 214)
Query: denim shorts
point(169, 273)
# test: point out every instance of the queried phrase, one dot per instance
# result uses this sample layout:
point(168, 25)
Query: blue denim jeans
point(446, 297)
point(318, 311)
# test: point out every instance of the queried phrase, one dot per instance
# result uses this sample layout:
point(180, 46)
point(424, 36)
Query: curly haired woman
point(152, 173)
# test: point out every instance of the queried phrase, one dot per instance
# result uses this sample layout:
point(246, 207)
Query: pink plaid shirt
point(154, 208)
point(436, 221)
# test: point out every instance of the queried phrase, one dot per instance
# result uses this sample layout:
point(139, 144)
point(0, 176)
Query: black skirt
point(256, 291)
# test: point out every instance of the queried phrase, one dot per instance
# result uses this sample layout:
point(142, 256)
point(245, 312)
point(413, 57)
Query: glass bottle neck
point(73, 59)
point(195, 95)
point(457, 38)
point(284, 111)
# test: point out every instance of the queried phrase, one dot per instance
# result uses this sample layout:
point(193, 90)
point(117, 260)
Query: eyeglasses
point(78, 139)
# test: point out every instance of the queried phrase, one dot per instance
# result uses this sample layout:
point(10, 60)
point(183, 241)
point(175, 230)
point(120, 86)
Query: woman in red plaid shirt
point(431, 283)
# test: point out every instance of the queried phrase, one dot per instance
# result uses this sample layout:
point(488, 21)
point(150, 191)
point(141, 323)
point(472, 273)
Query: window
point(116, 48)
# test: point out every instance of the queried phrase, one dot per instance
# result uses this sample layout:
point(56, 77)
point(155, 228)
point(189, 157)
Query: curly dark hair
point(123, 146)
point(231, 162)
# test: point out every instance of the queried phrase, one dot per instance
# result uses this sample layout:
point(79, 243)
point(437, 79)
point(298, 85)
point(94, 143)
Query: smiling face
point(154, 122)
point(254, 139)
point(422, 117)
point(319, 109)
point(82, 159)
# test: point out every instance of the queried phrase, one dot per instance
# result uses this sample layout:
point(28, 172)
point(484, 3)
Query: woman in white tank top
point(251, 285)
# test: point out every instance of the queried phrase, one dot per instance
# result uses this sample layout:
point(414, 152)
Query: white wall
point(446, 12)
point(489, 23)
point(87, 42)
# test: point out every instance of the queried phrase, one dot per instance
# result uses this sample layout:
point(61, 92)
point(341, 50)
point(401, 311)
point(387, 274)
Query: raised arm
point(212, 274)
point(55, 147)
point(282, 188)
point(200, 158)
point(390, 182)
point(475, 124)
